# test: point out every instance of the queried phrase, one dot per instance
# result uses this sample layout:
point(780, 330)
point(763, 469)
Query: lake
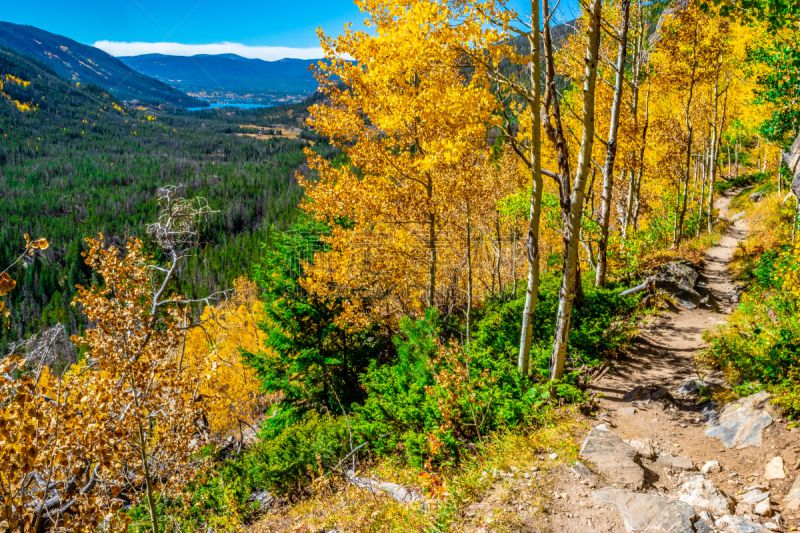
point(226, 104)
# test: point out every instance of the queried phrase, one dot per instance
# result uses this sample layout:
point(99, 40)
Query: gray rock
point(614, 459)
point(793, 498)
point(582, 472)
point(675, 462)
point(263, 498)
point(704, 526)
point(774, 469)
point(650, 513)
point(627, 411)
point(737, 524)
point(738, 216)
point(689, 386)
point(757, 196)
point(699, 492)
point(740, 423)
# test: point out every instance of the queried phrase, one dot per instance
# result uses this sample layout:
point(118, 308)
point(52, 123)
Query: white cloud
point(267, 53)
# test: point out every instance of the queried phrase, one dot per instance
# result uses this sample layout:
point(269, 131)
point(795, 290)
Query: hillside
point(75, 161)
point(85, 64)
point(227, 71)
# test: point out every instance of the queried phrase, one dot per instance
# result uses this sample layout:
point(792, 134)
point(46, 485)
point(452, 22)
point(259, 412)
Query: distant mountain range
point(78, 62)
point(226, 71)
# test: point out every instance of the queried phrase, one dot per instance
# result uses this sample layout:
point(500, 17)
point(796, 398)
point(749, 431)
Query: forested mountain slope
point(74, 161)
point(78, 62)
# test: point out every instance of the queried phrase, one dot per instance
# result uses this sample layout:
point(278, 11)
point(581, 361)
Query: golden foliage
point(229, 389)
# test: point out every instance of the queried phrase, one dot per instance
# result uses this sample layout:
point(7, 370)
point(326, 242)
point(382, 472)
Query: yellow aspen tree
point(405, 113)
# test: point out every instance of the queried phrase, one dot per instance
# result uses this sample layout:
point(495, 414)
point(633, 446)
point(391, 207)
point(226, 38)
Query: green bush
point(439, 397)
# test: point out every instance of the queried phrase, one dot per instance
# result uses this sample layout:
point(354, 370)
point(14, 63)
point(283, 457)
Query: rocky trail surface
point(658, 460)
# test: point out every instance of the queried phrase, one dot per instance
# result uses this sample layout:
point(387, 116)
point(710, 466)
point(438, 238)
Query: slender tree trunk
point(690, 133)
point(151, 501)
point(706, 163)
point(469, 275)
point(532, 240)
point(715, 145)
point(569, 278)
point(611, 148)
point(628, 215)
point(431, 249)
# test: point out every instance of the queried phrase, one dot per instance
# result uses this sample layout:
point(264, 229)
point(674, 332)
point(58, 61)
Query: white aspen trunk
point(626, 220)
point(569, 278)
point(469, 276)
point(532, 288)
point(611, 149)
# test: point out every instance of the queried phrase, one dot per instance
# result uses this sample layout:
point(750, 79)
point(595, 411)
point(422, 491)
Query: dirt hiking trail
point(669, 434)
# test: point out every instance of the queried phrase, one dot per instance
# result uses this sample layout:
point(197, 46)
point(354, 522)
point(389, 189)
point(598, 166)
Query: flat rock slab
point(740, 423)
point(650, 513)
point(613, 458)
point(737, 524)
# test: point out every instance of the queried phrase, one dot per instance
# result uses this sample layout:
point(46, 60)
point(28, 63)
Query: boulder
point(699, 492)
point(648, 393)
point(737, 524)
point(774, 469)
point(792, 160)
point(757, 196)
point(648, 512)
point(613, 458)
point(741, 422)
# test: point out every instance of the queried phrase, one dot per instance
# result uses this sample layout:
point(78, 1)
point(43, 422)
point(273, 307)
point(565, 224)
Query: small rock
point(526, 475)
point(534, 469)
point(683, 425)
point(627, 411)
point(774, 469)
point(582, 472)
point(675, 462)
point(772, 526)
point(711, 467)
point(553, 456)
point(763, 508)
point(753, 496)
point(737, 524)
point(703, 495)
point(755, 487)
point(645, 447)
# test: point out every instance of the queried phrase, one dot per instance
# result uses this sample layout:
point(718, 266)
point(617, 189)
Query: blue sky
point(259, 25)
